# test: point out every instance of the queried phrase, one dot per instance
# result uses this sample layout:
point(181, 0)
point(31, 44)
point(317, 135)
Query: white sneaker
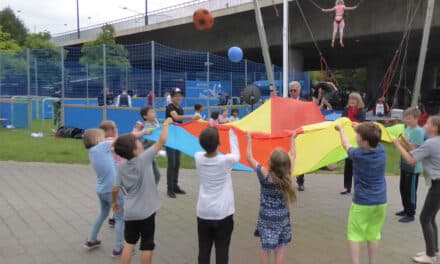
point(423, 253)
point(162, 153)
point(425, 259)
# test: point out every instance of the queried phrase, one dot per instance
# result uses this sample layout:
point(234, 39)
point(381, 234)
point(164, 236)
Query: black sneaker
point(179, 191)
point(406, 219)
point(111, 222)
point(256, 233)
point(116, 254)
point(401, 213)
point(301, 188)
point(92, 244)
point(171, 194)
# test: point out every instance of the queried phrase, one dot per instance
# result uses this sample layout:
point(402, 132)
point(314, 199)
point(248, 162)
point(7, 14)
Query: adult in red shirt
point(423, 115)
point(355, 111)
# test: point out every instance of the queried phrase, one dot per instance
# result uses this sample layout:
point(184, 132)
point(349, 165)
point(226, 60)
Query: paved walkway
point(46, 211)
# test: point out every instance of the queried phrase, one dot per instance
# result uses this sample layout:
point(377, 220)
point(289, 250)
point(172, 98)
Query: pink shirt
point(340, 9)
point(223, 120)
point(116, 157)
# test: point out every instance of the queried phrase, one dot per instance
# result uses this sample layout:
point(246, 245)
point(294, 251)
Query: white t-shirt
point(216, 195)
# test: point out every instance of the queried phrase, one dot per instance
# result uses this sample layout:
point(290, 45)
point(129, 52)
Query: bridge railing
point(154, 17)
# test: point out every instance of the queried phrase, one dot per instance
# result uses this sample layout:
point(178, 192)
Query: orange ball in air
point(203, 19)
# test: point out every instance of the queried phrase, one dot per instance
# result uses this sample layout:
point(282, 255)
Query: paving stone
point(47, 211)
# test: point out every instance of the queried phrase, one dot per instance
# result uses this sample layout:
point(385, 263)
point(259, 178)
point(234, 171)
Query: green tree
point(7, 44)
point(116, 54)
point(41, 46)
point(13, 25)
point(11, 56)
point(46, 57)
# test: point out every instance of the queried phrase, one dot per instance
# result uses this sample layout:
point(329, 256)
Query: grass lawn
point(18, 145)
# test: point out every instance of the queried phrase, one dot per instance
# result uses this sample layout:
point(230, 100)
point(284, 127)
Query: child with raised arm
point(215, 206)
point(339, 23)
point(151, 123)
point(429, 154)
point(135, 176)
point(101, 158)
point(368, 209)
point(413, 137)
point(111, 133)
point(276, 193)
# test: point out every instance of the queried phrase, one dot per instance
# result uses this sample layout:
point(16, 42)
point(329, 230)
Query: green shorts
point(365, 222)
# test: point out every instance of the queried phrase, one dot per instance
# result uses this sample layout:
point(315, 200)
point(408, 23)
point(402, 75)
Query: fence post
point(126, 79)
point(87, 84)
point(62, 87)
point(230, 94)
point(36, 76)
point(104, 82)
point(153, 72)
point(37, 104)
point(160, 83)
point(1, 76)
point(245, 73)
point(28, 68)
point(207, 64)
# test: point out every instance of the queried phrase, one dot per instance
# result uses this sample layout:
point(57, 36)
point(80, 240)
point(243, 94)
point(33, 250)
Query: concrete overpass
point(373, 33)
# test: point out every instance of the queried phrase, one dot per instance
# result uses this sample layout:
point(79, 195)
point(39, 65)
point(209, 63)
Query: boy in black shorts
point(135, 176)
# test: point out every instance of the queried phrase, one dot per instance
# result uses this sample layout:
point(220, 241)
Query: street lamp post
point(77, 19)
point(146, 12)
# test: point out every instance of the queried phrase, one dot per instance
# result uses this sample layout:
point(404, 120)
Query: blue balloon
point(235, 54)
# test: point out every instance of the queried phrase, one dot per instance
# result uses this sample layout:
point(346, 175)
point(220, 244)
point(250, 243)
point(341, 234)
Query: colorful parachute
point(271, 126)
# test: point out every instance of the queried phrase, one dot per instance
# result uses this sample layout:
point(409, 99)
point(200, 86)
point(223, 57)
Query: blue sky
point(58, 16)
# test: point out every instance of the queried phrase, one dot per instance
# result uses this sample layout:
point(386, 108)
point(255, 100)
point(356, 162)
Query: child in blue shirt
point(368, 210)
point(101, 158)
point(409, 174)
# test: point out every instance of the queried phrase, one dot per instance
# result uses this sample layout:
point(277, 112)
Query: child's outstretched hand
point(339, 128)
point(138, 127)
point(294, 135)
point(168, 121)
point(116, 208)
point(196, 117)
point(249, 137)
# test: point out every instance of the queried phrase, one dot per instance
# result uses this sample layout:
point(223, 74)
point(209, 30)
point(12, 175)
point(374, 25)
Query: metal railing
point(154, 17)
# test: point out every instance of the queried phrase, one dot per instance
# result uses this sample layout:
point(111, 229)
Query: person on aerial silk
point(339, 23)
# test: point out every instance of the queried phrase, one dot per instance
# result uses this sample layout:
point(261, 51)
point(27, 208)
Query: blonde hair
point(279, 170)
point(435, 120)
point(92, 137)
point(107, 125)
point(358, 97)
point(339, 2)
point(413, 111)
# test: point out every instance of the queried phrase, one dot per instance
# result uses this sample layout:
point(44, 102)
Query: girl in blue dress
point(276, 194)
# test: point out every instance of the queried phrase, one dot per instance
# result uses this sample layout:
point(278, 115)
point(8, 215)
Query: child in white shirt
point(215, 206)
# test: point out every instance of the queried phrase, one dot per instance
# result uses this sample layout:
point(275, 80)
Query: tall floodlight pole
point(285, 47)
point(77, 19)
point(264, 45)
point(146, 12)
point(423, 51)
